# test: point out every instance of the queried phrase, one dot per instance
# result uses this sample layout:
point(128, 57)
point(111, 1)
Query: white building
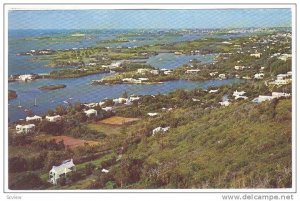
point(53, 118)
point(282, 82)
point(192, 71)
point(259, 76)
point(224, 103)
point(115, 65)
point(90, 112)
point(238, 93)
point(213, 91)
point(107, 109)
point(212, 74)
point(160, 129)
point(154, 72)
point(167, 72)
point(256, 55)
point(29, 128)
point(120, 100)
point(90, 105)
point(34, 118)
point(143, 70)
point(105, 170)
point(280, 94)
point(134, 98)
point(152, 114)
point(239, 67)
point(143, 79)
point(261, 98)
point(285, 57)
point(26, 77)
point(58, 171)
point(222, 76)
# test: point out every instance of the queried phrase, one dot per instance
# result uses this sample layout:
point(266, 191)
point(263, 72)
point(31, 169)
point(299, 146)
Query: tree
point(61, 110)
point(89, 168)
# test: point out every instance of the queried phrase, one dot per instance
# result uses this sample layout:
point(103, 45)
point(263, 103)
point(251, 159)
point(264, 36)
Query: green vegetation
point(243, 145)
point(53, 87)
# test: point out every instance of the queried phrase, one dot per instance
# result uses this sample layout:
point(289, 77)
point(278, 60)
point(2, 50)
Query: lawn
point(104, 128)
point(116, 120)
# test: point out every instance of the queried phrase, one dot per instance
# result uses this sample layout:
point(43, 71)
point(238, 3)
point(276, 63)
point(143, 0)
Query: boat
point(19, 106)
point(35, 102)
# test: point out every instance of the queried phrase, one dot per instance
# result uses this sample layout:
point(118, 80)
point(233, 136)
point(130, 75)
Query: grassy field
point(107, 129)
point(116, 120)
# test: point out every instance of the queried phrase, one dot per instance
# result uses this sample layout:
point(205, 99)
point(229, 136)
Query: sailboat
point(19, 106)
point(35, 102)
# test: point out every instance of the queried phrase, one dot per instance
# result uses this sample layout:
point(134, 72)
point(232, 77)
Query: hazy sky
point(135, 19)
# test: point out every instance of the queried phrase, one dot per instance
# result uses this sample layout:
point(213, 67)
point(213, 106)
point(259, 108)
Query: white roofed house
point(152, 114)
point(259, 76)
point(143, 70)
point(29, 128)
point(222, 76)
point(256, 55)
point(192, 71)
point(280, 94)
point(91, 112)
point(261, 98)
point(213, 74)
point(53, 118)
point(239, 67)
point(107, 109)
point(120, 100)
point(154, 72)
point(160, 130)
point(26, 77)
point(34, 118)
point(239, 95)
point(57, 172)
point(225, 103)
point(213, 91)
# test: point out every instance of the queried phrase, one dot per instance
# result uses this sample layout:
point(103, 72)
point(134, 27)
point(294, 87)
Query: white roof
point(25, 126)
point(151, 114)
point(90, 111)
point(35, 117)
point(107, 108)
point(53, 117)
point(63, 168)
point(238, 93)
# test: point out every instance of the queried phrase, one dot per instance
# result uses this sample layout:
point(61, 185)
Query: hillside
point(244, 145)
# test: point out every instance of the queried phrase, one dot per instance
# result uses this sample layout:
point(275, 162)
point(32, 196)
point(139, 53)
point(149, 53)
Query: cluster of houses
point(135, 81)
point(282, 79)
point(29, 128)
point(262, 98)
point(143, 71)
point(237, 96)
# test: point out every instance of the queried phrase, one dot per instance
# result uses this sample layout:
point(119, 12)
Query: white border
point(151, 6)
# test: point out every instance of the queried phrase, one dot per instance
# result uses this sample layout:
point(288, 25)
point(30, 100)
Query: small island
point(53, 87)
point(12, 94)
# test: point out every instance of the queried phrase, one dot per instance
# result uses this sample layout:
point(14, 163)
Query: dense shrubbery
point(28, 181)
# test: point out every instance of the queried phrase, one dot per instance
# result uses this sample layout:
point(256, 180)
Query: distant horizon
point(90, 29)
point(92, 19)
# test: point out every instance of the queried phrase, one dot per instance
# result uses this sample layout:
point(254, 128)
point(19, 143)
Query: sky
point(148, 19)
